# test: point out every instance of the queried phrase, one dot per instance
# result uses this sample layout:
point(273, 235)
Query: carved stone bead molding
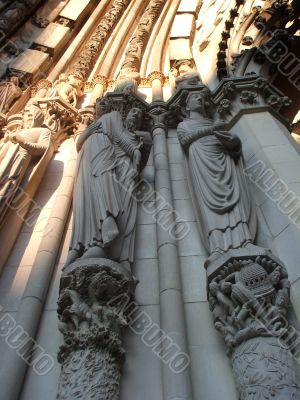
point(90, 308)
point(92, 48)
point(138, 42)
point(249, 299)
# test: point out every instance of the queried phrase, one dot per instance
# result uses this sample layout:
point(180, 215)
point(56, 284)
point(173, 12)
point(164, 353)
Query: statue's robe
point(226, 213)
point(20, 164)
point(104, 186)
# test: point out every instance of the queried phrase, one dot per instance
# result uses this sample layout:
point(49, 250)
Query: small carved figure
point(68, 88)
point(9, 92)
point(20, 150)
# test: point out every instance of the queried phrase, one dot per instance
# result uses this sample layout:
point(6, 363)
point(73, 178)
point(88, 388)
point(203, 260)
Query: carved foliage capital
point(249, 298)
point(90, 306)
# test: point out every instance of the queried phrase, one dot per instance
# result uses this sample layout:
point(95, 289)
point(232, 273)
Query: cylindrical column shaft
point(176, 385)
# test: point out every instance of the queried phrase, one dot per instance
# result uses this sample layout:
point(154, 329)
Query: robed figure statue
point(23, 155)
point(104, 205)
point(226, 213)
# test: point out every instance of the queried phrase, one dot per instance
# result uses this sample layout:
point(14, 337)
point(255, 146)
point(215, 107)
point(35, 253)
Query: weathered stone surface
point(183, 26)
point(188, 6)
point(30, 62)
point(53, 37)
point(74, 9)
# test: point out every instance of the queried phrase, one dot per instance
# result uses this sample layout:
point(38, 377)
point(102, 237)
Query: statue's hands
point(231, 142)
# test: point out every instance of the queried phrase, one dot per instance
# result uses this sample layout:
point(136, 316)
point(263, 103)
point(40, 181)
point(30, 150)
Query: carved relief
point(249, 300)
point(68, 88)
point(9, 92)
point(91, 309)
point(110, 156)
point(28, 144)
point(138, 42)
point(91, 50)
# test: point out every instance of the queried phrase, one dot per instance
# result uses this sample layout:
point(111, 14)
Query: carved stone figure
point(91, 50)
point(138, 42)
point(68, 88)
point(249, 300)
point(92, 311)
point(104, 205)
point(18, 152)
point(9, 92)
point(223, 202)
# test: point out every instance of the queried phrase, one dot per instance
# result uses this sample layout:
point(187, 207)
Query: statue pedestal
point(94, 294)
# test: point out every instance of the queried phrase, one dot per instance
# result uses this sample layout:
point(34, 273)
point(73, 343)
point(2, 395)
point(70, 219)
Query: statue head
point(134, 119)
point(200, 102)
point(15, 80)
point(33, 116)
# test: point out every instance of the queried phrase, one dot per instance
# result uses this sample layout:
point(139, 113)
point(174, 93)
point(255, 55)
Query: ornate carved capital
point(102, 80)
point(91, 313)
point(156, 75)
point(249, 299)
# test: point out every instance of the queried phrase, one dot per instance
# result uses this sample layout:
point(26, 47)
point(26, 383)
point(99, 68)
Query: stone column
point(92, 295)
point(176, 385)
point(157, 80)
point(100, 83)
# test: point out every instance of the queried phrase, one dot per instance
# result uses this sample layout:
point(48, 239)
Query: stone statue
point(9, 92)
point(18, 151)
point(68, 88)
point(104, 205)
point(223, 201)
